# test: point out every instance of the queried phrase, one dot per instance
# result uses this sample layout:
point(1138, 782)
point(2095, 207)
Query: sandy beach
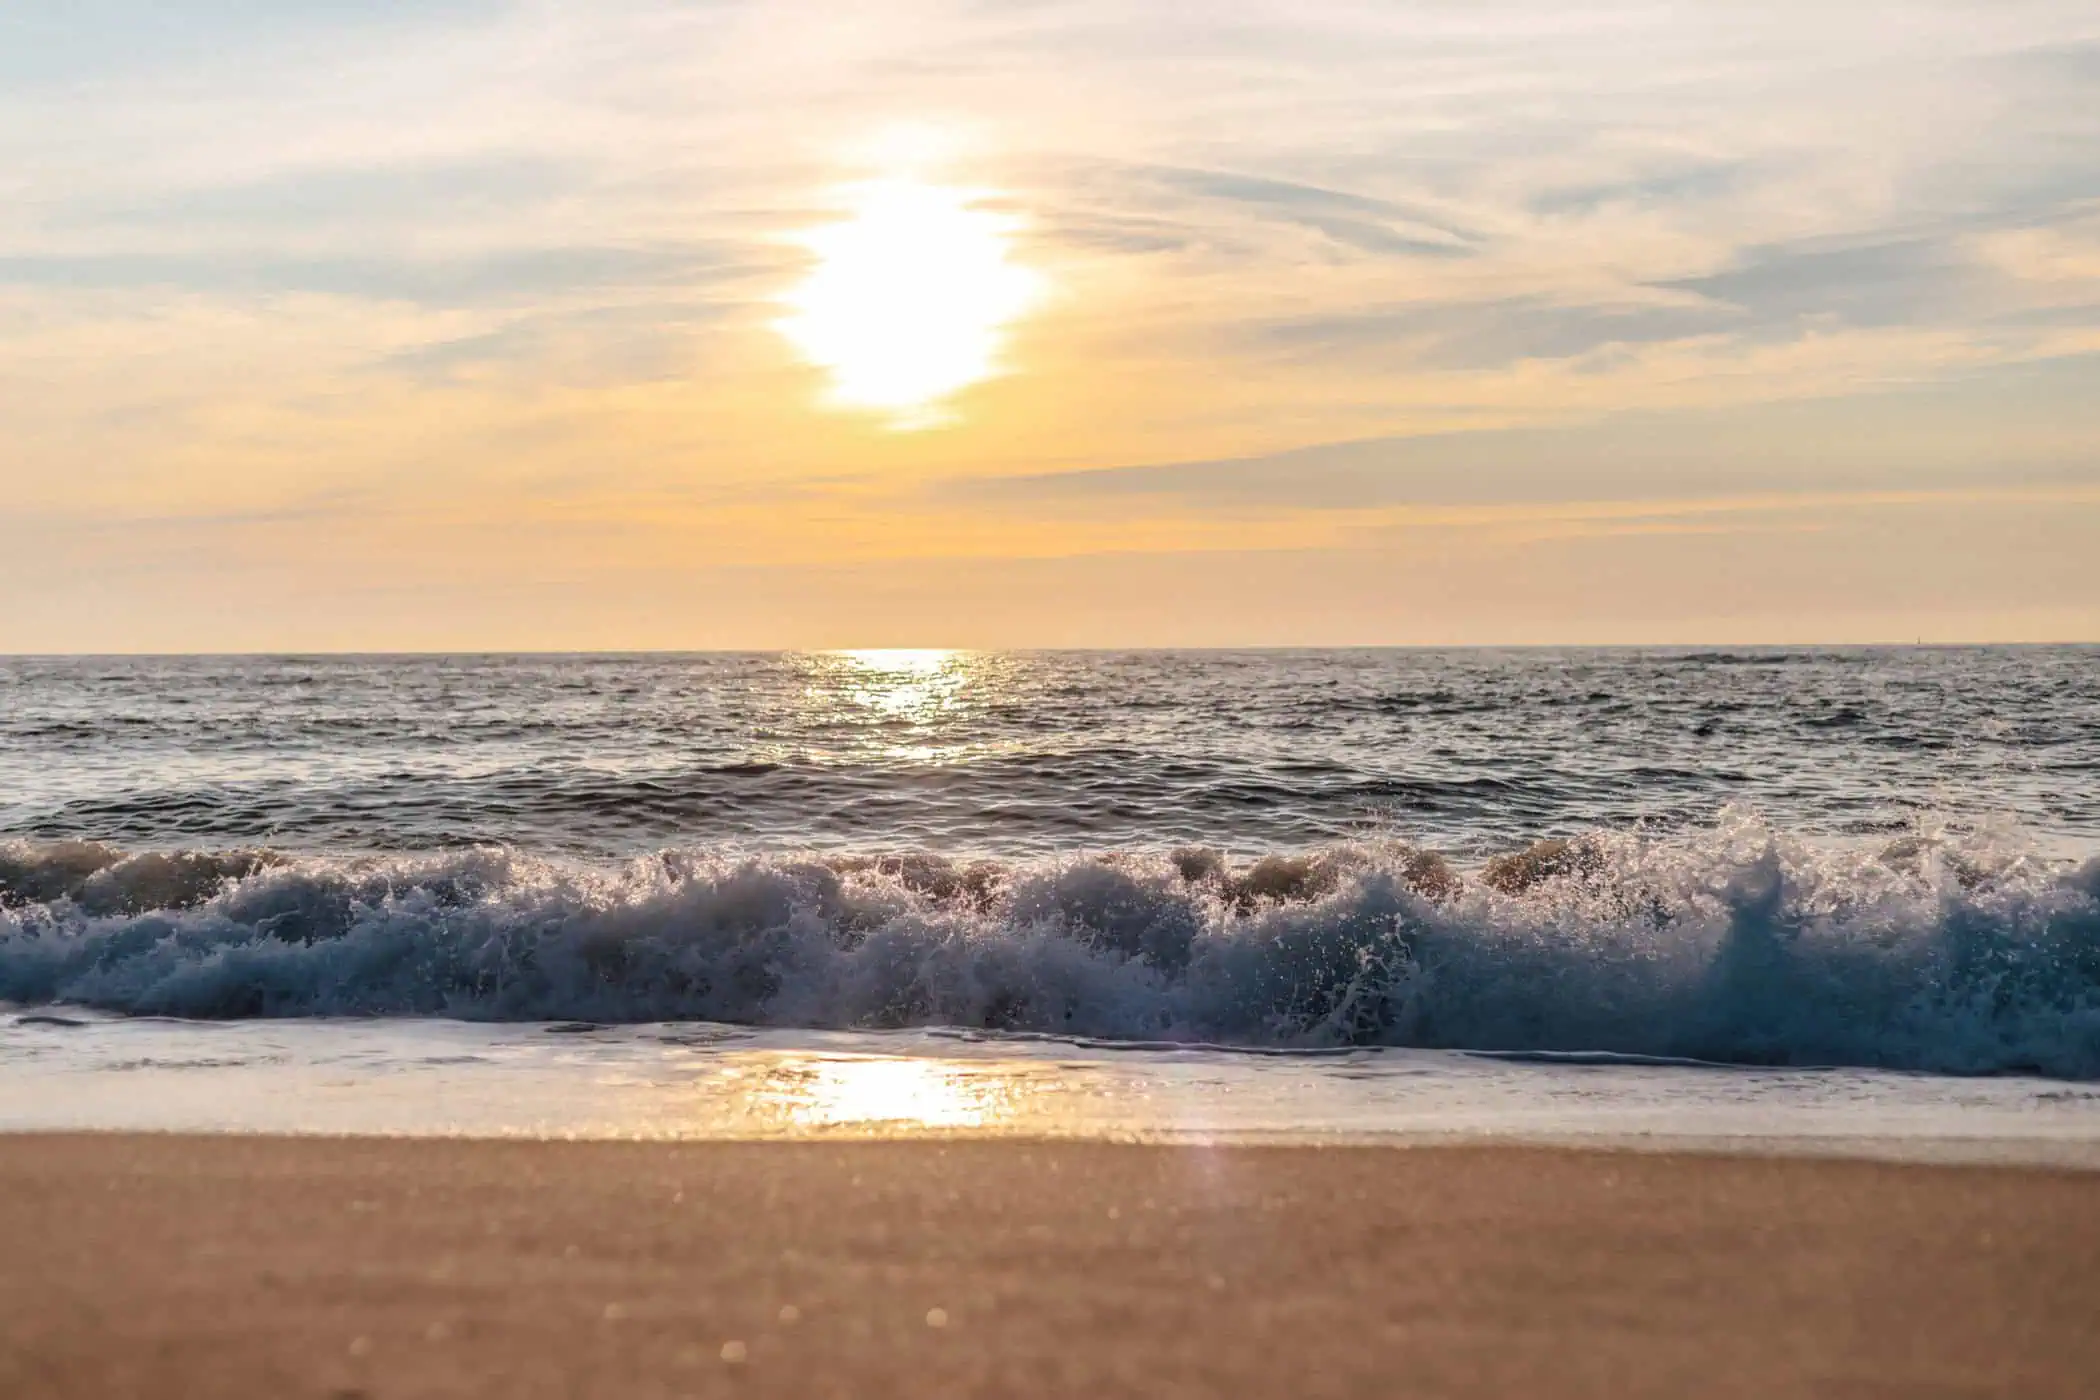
point(233, 1266)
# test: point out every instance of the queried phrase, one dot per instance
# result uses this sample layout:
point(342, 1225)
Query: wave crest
point(1738, 945)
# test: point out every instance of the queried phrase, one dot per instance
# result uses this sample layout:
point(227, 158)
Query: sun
point(909, 300)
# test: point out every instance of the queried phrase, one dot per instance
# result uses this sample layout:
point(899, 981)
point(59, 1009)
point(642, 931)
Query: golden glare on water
point(910, 299)
point(910, 661)
point(914, 705)
point(915, 685)
point(843, 1092)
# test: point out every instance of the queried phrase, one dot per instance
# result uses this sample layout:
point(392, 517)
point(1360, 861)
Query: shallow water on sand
point(698, 1081)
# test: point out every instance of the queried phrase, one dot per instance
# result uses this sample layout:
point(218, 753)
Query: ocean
point(1826, 895)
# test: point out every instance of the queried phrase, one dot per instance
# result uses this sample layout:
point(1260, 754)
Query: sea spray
point(1736, 945)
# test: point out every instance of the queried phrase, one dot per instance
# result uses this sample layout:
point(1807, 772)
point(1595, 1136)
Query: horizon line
point(1196, 649)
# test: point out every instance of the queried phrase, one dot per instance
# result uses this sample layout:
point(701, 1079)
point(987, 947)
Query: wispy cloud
point(517, 278)
point(1945, 438)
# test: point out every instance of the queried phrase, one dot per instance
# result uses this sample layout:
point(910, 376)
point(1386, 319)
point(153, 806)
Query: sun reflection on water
point(813, 1093)
point(902, 703)
point(912, 684)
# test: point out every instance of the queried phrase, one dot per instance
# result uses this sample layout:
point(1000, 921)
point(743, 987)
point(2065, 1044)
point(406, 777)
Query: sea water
point(1841, 897)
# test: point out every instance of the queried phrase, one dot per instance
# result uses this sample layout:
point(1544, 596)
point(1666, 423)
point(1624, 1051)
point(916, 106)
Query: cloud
point(1496, 333)
point(478, 279)
point(600, 345)
point(84, 40)
point(1942, 438)
point(345, 201)
point(1679, 184)
point(1356, 221)
point(1876, 283)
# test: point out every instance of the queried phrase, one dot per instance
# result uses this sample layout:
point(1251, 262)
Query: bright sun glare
point(909, 300)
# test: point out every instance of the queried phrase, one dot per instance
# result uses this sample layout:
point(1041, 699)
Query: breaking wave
point(1739, 945)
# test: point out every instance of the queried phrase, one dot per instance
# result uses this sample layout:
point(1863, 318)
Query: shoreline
point(2069, 1157)
point(141, 1264)
point(467, 1081)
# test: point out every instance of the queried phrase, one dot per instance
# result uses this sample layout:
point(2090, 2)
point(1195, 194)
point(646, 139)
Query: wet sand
point(226, 1266)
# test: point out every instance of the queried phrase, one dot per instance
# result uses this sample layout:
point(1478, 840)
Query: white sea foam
point(1737, 945)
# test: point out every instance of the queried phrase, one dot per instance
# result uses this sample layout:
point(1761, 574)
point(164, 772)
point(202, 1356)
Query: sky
point(550, 325)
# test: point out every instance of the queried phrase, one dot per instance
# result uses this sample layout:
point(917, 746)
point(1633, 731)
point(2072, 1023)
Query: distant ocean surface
point(1875, 859)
